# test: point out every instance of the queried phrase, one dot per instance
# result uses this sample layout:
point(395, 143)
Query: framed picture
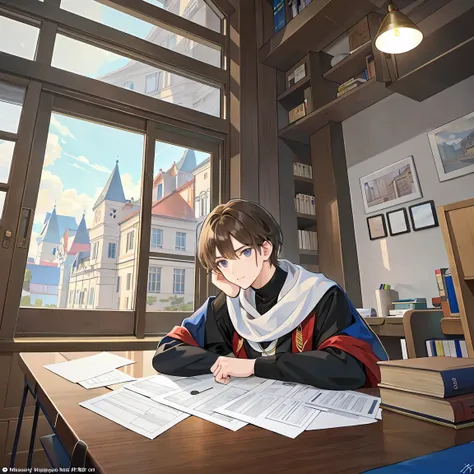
point(398, 222)
point(453, 147)
point(377, 227)
point(390, 186)
point(423, 215)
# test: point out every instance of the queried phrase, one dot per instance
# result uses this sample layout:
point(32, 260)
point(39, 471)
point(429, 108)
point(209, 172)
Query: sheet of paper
point(203, 399)
point(327, 419)
point(280, 415)
point(158, 385)
point(346, 402)
point(110, 378)
point(88, 367)
point(135, 412)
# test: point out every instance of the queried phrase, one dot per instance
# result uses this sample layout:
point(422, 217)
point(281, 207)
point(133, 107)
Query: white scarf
point(299, 295)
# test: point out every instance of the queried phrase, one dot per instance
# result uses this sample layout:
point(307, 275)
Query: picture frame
point(397, 222)
point(423, 216)
point(452, 146)
point(390, 186)
point(377, 227)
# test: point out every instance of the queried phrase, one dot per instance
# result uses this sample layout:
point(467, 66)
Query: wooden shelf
point(452, 326)
point(303, 179)
point(308, 252)
point(338, 110)
point(295, 94)
point(305, 220)
point(351, 66)
point(321, 22)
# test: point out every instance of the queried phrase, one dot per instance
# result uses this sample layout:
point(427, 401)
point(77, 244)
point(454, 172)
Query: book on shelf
point(440, 377)
point(305, 204)
point(407, 304)
point(296, 74)
point(297, 113)
point(370, 66)
point(308, 240)
point(300, 169)
point(456, 412)
point(279, 15)
point(359, 34)
point(446, 347)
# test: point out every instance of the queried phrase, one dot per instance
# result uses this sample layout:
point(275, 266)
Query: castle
point(95, 267)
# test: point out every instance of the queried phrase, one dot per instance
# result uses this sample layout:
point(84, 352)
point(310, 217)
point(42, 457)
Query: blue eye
point(223, 263)
point(247, 252)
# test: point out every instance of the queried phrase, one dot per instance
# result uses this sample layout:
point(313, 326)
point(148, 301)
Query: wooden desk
point(200, 447)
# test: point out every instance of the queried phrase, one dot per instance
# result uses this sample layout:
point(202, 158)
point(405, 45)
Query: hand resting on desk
point(226, 367)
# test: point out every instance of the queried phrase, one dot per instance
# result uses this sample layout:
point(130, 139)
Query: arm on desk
point(192, 348)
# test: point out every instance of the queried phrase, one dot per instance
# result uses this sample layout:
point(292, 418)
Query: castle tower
point(48, 241)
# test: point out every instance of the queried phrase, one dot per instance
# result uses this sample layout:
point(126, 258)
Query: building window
point(118, 284)
point(154, 279)
point(129, 282)
point(81, 297)
point(151, 83)
point(91, 297)
point(95, 251)
point(178, 281)
point(205, 175)
point(128, 301)
point(71, 298)
point(180, 241)
point(129, 85)
point(54, 250)
point(130, 239)
point(156, 238)
point(159, 193)
point(112, 249)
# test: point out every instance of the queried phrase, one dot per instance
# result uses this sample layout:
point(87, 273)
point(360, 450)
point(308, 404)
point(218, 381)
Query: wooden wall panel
point(3, 441)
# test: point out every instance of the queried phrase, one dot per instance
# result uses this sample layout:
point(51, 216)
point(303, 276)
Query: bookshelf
point(457, 225)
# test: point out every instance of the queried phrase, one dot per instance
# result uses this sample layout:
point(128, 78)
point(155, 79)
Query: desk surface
point(200, 447)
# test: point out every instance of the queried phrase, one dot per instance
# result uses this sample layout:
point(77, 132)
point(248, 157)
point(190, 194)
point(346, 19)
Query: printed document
point(110, 378)
point(203, 399)
point(328, 419)
point(158, 385)
point(264, 408)
point(135, 412)
point(88, 367)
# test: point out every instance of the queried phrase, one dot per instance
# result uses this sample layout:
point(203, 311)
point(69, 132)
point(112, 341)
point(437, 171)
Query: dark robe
point(329, 368)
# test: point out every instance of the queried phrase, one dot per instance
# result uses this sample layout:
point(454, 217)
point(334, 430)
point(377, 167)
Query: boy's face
point(246, 267)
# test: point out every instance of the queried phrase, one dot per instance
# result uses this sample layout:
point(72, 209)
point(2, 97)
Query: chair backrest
point(79, 454)
point(420, 326)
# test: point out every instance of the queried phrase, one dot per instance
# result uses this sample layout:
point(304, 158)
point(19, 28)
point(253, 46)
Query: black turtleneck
point(329, 368)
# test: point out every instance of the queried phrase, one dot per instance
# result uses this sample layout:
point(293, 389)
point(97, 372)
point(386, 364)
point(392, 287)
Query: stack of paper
point(152, 405)
point(93, 371)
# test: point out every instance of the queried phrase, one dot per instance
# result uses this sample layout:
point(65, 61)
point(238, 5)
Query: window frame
point(53, 90)
point(158, 279)
point(175, 282)
point(160, 233)
point(180, 236)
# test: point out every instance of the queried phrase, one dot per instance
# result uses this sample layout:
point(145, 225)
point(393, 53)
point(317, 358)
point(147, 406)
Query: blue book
point(279, 15)
point(451, 293)
point(457, 460)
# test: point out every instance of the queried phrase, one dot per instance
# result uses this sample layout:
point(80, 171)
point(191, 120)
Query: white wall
point(378, 136)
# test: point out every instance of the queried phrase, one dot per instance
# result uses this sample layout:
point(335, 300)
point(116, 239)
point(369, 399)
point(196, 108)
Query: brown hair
point(247, 222)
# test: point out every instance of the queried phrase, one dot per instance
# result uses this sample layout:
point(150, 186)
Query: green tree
point(176, 303)
point(38, 302)
point(25, 301)
point(150, 300)
point(27, 280)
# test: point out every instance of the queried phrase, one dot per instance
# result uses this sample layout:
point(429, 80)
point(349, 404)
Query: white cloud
point(95, 166)
point(68, 201)
point(62, 129)
point(454, 142)
point(53, 150)
point(75, 165)
point(131, 188)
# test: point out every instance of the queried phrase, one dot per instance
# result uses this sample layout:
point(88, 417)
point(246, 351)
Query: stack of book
point(400, 307)
point(299, 169)
point(435, 389)
point(305, 204)
point(349, 85)
point(446, 347)
point(308, 240)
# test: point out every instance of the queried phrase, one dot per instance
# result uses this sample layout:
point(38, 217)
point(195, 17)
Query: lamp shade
point(397, 33)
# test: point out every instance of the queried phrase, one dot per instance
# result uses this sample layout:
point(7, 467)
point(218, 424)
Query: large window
point(85, 195)
point(151, 33)
point(10, 33)
point(97, 63)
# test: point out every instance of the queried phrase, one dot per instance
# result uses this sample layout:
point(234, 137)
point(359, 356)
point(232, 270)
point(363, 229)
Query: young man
point(277, 319)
